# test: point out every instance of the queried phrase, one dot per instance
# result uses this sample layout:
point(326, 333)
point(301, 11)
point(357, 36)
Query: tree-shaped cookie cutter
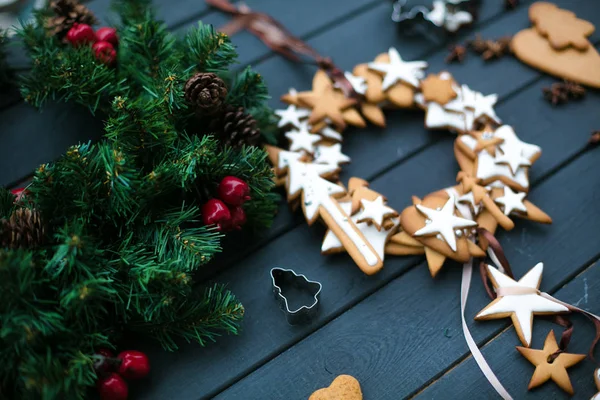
point(280, 277)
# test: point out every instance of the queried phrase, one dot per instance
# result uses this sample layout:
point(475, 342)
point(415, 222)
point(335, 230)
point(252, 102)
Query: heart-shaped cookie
point(344, 387)
point(571, 64)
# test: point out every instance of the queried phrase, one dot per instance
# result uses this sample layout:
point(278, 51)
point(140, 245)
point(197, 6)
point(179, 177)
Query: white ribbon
point(481, 362)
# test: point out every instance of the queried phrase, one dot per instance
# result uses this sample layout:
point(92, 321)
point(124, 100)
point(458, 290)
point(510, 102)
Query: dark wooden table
point(398, 332)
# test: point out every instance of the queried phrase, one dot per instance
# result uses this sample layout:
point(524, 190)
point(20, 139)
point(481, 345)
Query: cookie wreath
point(457, 222)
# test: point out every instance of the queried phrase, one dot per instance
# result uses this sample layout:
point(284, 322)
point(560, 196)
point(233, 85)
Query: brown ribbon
point(279, 39)
point(500, 257)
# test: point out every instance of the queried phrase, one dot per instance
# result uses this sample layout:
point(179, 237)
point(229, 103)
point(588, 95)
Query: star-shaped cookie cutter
point(281, 276)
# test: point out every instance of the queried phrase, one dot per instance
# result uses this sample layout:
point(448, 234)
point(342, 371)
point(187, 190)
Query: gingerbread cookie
point(291, 116)
point(520, 300)
point(439, 88)
point(562, 28)
point(370, 214)
point(438, 226)
point(306, 181)
point(558, 45)
point(343, 387)
point(556, 369)
point(509, 163)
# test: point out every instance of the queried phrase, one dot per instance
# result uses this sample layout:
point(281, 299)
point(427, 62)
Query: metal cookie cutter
point(281, 277)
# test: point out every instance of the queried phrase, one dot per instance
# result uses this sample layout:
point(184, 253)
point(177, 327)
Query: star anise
point(511, 4)
point(555, 94)
point(457, 53)
point(575, 90)
point(496, 48)
point(562, 92)
point(478, 45)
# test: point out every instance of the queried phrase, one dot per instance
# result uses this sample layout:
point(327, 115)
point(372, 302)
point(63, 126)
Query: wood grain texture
point(404, 335)
point(513, 370)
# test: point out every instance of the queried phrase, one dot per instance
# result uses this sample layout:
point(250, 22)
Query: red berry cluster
point(18, 193)
point(104, 41)
point(227, 212)
point(111, 370)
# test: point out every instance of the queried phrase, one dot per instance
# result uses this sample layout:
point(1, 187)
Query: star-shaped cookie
point(520, 300)
point(438, 88)
point(399, 70)
point(555, 370)
point(325, 101)
point(375, 212)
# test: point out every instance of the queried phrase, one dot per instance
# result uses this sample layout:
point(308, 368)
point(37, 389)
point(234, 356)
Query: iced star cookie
point(555, 370)
point(506, 161)
point(440, 228)
point(520, 300)
point(398, 79)
point(382, 223)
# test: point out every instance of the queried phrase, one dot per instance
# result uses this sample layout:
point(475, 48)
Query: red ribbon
point(279, 39)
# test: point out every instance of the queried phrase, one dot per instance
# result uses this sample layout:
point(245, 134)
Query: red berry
point(238, 217)
point(104, 361)
point(80, 34)
point(19, 193)
point(215, 212)
point(234, 191)
point(105, 52)
point(109, 35)
point(134, 364)
point(113, 387)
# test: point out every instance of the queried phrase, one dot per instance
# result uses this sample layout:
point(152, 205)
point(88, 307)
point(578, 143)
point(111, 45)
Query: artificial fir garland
point(5, 71)
point(105, 239)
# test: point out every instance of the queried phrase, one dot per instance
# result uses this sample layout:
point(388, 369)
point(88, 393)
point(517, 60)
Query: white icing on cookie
point(285, 157)
point(291, 115)
point(330, 155)
point(302, 139)
point(444, 222)
point(358, 83)
point(316, 197)
point(374, 211)
point(399, 70)
point(512, 201)
point(521, 306)
point(375, 237)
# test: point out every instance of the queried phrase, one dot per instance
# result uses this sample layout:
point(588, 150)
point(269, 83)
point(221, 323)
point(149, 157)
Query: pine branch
point(199, 318)
point(6, 202)
point(248, 90)
point(208, 50)
point(6, 74)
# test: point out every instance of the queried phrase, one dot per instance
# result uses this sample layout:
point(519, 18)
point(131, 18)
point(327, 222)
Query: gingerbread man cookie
point(343, 387)
point(549, 366)
point(520, 300)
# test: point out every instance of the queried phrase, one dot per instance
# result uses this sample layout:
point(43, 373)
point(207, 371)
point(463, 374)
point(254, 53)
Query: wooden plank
point(266, 334)
point(513, 370)
point(398, 339)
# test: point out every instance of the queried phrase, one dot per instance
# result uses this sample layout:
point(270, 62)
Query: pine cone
point(235, 127)
point(23, 229)
point(68, 12)
point(206, 91)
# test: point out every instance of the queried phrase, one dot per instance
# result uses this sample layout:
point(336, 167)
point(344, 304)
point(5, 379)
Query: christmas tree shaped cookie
point(558, 44)
point(370, 214)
